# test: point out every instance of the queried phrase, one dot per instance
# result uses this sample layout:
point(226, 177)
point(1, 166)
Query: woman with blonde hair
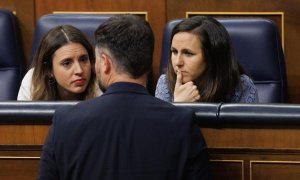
point(63, 68)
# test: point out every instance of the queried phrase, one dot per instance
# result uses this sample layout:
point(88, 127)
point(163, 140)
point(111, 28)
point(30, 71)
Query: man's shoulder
point(174, 110)
point(63, 112)
point(75, 111)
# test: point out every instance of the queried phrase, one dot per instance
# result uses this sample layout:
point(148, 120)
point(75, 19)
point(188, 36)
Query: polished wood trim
point(272, 162)
point(227, 160)
point(27, 147)
point(19, 157)
point(144, 13)
point(253, 151)
point(236, 13)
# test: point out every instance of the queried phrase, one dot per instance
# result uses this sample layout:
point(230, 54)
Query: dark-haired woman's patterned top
point(247, 93)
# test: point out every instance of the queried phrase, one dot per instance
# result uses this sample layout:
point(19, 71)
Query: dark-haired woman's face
point(72, 70)
point(187, 56)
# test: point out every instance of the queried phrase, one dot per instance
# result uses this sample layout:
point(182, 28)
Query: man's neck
point(126, 78)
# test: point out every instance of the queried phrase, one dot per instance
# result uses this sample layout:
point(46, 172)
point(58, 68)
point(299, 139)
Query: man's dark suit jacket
point(124, 134)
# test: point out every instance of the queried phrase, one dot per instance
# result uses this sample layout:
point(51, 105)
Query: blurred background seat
point(11, 56)
point(257, 44)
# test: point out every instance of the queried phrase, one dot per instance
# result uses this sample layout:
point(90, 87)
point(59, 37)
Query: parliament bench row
point(256, 42)
point(208, 115)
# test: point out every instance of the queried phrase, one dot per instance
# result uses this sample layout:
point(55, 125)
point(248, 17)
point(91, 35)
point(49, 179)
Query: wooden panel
point(253, 159)
point(18, 168)
point(275, 170)
point(23, 134)
point(256, 138)
point(21, 162)
point(291, 9)
point(215, 138)
point(231, 169)
point(156, 15)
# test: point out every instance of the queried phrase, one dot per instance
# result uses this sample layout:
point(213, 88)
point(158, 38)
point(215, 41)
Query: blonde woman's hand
point(187, 92)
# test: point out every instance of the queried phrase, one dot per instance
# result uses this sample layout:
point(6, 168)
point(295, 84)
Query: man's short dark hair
point(130, 40)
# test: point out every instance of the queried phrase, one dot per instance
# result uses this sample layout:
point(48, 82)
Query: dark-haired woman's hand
point(187, 92)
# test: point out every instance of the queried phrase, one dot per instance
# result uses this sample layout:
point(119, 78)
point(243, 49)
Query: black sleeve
point(197, 165)
point(48, 167)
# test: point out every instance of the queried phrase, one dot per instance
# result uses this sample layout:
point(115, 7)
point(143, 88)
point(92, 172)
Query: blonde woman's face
point(187, 56)
point(71, 70)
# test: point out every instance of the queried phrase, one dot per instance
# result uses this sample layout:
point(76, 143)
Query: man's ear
point(106, 63)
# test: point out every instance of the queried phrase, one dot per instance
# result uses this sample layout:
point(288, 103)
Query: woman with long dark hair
point(202, 66)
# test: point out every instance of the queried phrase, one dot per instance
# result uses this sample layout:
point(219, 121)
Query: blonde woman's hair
point(44, 86)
